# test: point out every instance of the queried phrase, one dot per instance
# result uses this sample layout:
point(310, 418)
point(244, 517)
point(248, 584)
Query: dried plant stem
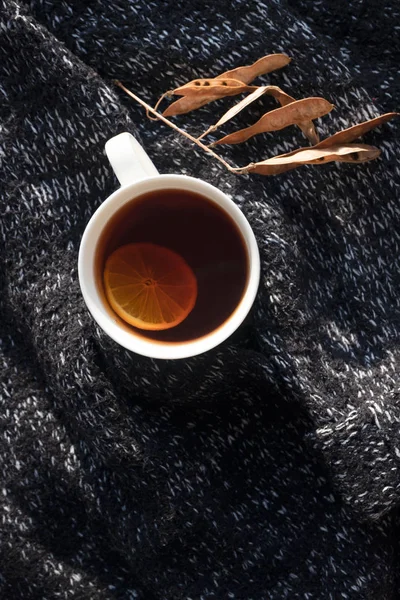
point(209, 130)
point(161, 98)
point(178, 129)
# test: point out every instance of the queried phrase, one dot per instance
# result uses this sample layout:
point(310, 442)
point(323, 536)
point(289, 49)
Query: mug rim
point(87, 279)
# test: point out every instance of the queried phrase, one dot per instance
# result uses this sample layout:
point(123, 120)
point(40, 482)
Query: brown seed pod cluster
point(301, 113)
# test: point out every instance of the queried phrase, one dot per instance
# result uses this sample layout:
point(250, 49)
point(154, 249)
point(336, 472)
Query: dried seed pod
point(245, 75)
point(356, 131)
point(274, 120)
point(355, 153)
point(307, 127)
point(236, 109)
point(195, 96)
point(264, 65)
point(366, 154)
point(217, 88)
point(185, 105)
point(321, 153)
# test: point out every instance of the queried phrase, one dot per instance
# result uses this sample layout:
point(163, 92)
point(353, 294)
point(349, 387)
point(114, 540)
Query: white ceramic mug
point(137, 176)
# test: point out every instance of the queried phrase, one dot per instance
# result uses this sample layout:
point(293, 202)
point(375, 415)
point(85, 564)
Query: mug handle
point(129, 161)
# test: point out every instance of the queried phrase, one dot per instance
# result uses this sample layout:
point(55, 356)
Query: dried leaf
point(356, 131)
point(264, 65)
point(185, 105)
point(217, 88)
point(274, 120)
point(355, 153)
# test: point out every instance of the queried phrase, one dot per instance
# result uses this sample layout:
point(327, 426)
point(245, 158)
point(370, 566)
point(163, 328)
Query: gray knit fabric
point(269, 467)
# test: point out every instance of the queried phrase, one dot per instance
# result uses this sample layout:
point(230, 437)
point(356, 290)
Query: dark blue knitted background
point(269, 467)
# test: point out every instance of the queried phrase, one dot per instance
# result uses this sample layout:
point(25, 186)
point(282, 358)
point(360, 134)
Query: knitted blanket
point(267, 468)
